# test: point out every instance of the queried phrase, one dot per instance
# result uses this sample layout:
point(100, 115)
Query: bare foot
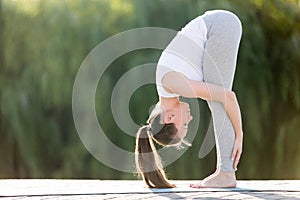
point(217, 180)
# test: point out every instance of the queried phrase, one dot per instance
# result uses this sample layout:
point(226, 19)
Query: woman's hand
point(237, 151)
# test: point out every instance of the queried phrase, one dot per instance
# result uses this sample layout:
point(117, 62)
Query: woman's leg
point(220, 55)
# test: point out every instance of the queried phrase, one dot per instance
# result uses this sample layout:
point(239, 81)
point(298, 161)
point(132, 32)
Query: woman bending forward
point(198, 63)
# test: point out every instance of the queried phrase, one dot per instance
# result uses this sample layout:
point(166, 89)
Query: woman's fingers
point(236, 154)
point(237, 159)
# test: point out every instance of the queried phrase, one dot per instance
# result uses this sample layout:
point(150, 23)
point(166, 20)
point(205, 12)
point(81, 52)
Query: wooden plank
point(117, 189)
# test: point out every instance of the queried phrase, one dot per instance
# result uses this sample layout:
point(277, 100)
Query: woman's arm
point(180, 84)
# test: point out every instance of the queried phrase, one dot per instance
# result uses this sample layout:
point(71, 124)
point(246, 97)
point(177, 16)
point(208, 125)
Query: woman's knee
point(226, 23)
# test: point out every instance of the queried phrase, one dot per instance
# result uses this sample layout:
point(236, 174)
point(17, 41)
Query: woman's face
point(180, 115)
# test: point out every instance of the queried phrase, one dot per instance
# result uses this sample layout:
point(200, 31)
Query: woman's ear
point(169, 118)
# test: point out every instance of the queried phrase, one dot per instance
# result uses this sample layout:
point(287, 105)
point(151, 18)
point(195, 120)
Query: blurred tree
point(43, 43)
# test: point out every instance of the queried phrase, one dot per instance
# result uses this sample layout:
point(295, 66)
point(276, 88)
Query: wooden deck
point(34, 189)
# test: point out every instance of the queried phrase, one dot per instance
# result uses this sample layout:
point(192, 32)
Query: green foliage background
point(43, 43)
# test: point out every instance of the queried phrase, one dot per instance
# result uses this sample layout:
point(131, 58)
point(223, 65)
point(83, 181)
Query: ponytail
point(148, 161)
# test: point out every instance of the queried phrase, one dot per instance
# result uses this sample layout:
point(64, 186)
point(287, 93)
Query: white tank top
point(184, 54)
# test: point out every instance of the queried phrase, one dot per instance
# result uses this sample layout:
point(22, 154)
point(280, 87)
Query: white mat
point(39, 187)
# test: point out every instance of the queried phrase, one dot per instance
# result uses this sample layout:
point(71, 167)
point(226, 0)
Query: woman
point(198, 63)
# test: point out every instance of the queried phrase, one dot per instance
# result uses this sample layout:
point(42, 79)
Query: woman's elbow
point(230, 98)
point(230, 95)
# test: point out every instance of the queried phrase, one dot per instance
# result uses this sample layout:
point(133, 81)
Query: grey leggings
point(224, 33)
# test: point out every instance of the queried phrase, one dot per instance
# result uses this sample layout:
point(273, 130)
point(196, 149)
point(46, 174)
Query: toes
point(192, 185)
point(197, 185)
